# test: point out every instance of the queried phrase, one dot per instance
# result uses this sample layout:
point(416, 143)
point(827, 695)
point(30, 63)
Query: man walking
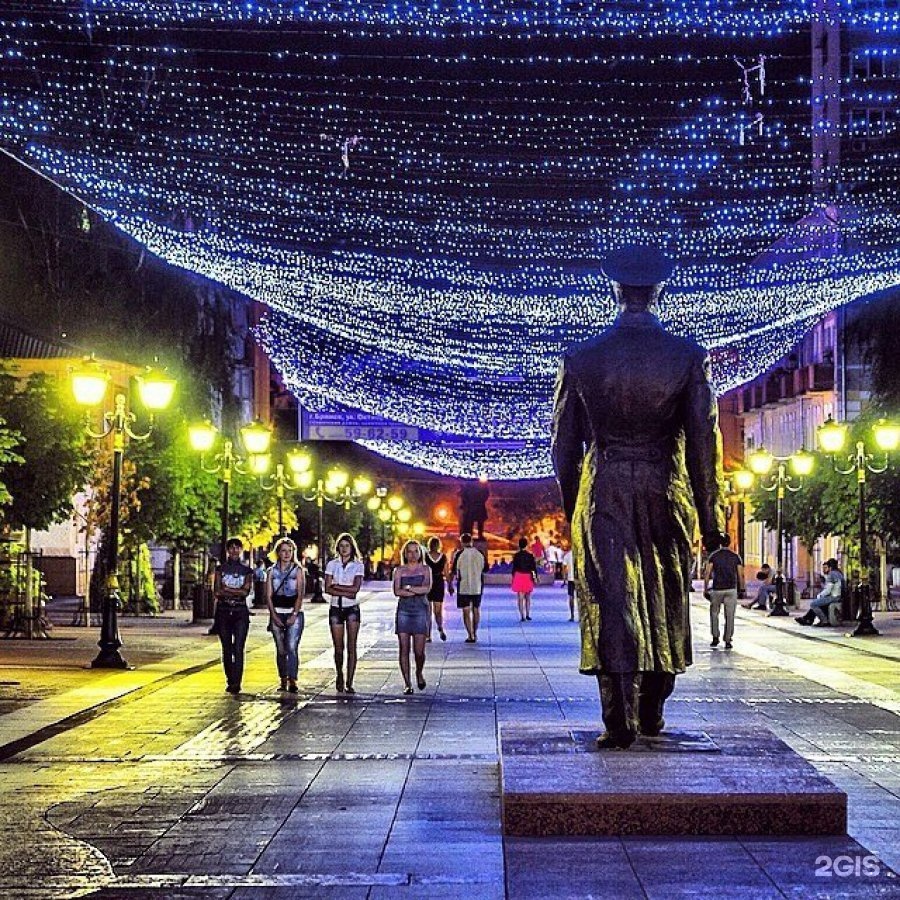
point(636, 448)
point(726, 569)
point(468, 567)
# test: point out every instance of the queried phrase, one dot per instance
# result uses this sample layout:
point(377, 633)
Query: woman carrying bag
point(284, 597)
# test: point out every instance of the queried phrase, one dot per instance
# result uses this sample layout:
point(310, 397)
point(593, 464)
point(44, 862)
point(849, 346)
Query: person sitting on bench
point(830, 593)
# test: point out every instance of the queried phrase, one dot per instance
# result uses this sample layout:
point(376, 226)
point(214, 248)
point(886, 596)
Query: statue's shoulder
point(588, 349)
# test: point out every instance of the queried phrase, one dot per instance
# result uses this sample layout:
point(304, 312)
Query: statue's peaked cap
point(637, 265)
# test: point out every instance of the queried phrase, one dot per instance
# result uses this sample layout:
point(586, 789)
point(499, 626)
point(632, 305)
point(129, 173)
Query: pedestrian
point(766, 578)
point(636, 448)
point(412, 584)
point(285, 586)
point(830, 593)
point(436, 560)
point(343, 579)
point(260, 573)
point(726, 569)
point(233, 582)
point(537, 550)
point(555, 559)
point(569, 575)
point(524, 578)
point(468, 569)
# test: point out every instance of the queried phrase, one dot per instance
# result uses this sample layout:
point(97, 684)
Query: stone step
point(720, 781)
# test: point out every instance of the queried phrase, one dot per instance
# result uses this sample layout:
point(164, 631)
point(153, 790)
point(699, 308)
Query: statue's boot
point(618, 698)
point(656, 687)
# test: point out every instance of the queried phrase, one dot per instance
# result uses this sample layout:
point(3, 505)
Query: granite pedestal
point(724, 780)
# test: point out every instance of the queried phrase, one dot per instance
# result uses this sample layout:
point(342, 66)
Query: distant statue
point(636, 449)
point(473, 498)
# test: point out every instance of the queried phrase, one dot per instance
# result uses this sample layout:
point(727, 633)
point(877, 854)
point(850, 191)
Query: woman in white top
point(343, 579)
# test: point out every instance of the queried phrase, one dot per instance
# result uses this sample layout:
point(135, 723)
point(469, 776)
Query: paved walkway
point(154, 783)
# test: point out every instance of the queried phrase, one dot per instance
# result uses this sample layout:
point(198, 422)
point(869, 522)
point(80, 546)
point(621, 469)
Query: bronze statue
point(473, 498)
point(636, 448)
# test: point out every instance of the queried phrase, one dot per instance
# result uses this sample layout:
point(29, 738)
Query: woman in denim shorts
point(343, 579)
point(412, 582)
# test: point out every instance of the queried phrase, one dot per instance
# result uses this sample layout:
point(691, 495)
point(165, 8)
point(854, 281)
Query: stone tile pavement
point(154, 783)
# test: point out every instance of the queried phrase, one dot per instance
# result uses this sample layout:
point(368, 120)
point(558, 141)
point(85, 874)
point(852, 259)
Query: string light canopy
point(419, 192)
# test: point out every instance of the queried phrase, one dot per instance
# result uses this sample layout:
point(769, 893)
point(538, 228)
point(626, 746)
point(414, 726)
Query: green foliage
point(137, 586)
point(55, 461)
point(9, 440)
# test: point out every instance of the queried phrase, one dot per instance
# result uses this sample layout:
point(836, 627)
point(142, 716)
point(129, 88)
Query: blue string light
point(419, 192)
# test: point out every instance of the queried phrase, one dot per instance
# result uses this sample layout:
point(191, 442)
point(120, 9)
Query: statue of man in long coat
point(636, 449)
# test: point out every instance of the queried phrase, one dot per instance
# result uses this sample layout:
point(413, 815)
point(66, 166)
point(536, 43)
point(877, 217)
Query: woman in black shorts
point(412, 582)
point(343, 579)
point(436, 560)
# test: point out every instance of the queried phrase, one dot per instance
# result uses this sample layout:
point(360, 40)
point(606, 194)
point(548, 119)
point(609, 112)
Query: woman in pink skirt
point(524, 578)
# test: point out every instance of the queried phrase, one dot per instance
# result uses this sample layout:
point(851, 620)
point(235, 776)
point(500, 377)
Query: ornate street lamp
point(297, 463)
point(255, 437)
point(89, 384)
point(832, 438)
point(761, 463)
point(335, 488)
point(395, 513)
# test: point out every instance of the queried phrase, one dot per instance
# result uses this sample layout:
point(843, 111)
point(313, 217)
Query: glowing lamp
point(156, 389)
point(362, 486)
point(303, 479)
point(404, 515)
point(298, 461)
point(384, 514)
point(832, 436)
point(395, 502)
point(743, 480)
point(89, 384)
point(256, 437)
point(337, 480)
point(802, 463)
point(202, 436)
point(761, 461)
point(373, 503)
point(887, 435)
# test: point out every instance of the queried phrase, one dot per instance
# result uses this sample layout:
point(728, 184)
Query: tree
point(55, 459)
point(9, 440)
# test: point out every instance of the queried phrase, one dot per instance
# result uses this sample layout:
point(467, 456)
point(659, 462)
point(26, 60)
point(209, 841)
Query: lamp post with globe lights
point(392, 511)
point(801, 464)
point(89, 385)
point(256, 438)
point(832, 439)
point(337, 488)
point(280, 480)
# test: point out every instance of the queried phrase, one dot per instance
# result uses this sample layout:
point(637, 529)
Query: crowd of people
point(420, 582)
point(423, 579)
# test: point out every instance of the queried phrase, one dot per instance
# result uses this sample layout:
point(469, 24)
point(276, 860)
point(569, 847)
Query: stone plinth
point(719, 781)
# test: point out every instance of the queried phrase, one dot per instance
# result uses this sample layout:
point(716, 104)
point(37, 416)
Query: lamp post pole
point(225, 478)
point(865, 624)
point(781, 482)
point(109, 643)
point(89, 385)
